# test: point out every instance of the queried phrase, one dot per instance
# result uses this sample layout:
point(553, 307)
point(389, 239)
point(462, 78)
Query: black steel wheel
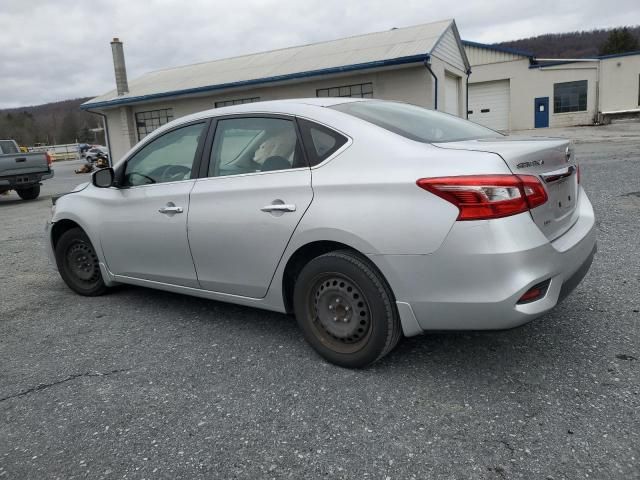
point(78, 263)
point(345, 309)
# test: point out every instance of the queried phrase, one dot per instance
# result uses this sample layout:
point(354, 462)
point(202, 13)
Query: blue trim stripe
point(616, 55)
point(497, 48)
point(258, 81)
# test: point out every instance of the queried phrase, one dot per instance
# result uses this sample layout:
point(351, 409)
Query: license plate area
point(563, 195)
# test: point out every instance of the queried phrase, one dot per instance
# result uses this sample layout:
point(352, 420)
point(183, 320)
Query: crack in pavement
point(44, 386)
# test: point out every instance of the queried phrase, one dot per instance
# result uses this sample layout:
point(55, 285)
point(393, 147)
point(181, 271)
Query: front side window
point(168, 158)
point(250, 145)
point(570, 97)
point(147, 122)
point(416, 123)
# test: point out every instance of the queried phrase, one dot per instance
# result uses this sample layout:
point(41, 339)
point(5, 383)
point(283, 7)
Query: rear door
point(257, 187)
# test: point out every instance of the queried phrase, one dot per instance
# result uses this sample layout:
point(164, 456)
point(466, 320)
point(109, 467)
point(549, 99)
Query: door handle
point(170, 208)
point(279, 207)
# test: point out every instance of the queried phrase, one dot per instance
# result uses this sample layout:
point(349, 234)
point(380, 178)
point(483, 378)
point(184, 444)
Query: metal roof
point(392, 47)
point(498, 48)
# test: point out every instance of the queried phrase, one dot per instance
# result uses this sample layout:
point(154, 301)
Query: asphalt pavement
point(145, 384)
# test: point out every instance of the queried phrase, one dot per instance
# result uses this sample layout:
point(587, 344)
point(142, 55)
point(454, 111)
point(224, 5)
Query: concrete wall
point(441, 69)
point(619, 83)
point(409, 84)
point(526, 84)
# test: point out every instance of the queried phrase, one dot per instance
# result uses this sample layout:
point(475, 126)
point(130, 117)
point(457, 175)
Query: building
point(513, 90)
point(424, 65)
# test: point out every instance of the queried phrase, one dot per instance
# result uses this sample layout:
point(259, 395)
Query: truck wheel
point(30, 193)
point(346, 309)
point(78, 263)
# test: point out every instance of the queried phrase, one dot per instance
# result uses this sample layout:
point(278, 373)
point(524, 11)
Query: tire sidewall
point(30, 193)
point(376, 294)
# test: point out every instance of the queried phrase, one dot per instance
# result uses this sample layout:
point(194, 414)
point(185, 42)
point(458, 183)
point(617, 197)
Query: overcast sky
point(57, 50)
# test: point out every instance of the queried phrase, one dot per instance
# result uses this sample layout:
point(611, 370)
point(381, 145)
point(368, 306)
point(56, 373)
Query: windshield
point(416, 123)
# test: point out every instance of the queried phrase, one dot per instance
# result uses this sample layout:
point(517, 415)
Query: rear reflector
point(534, 293)
point(482, 197)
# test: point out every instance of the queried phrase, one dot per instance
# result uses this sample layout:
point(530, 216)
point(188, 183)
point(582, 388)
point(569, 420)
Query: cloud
point(53, 51)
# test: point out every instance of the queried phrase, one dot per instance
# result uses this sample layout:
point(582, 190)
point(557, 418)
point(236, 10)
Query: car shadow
point(472, 354)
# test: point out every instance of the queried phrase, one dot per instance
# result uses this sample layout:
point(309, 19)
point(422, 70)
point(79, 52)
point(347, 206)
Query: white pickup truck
point(23, 172)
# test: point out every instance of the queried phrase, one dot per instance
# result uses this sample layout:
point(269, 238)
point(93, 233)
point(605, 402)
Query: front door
point(243, 214)
point(144, 221)
point(541, 106)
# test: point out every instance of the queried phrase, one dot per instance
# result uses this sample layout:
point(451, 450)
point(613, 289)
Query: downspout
point(467, 114)
point(105, 125)
point(427, 64)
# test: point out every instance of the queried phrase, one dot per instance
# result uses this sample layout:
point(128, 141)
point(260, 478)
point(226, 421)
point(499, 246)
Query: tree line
point(585, 44)
point(51, 124)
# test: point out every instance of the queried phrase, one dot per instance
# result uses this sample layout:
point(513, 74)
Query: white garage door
point(489, 104)
point(451, 95)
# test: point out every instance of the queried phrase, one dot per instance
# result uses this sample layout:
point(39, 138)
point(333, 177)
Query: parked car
point(22, 171)
point(95, 153)
point(367, 219)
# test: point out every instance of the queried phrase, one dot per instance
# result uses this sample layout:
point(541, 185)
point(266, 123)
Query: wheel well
point(59, 228)
point(299, 259)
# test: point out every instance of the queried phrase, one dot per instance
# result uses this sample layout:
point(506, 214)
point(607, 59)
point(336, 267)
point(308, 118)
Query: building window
point(570, 97)
point(360, 90)
point(147, 122)
point(236, 101)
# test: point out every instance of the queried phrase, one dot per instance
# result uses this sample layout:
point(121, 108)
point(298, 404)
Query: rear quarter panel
point(367, 197)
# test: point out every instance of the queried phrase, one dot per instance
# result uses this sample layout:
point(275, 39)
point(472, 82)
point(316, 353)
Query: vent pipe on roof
point(122, 86)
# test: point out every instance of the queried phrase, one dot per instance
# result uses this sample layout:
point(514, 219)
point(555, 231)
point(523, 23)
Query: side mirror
point(103, 178)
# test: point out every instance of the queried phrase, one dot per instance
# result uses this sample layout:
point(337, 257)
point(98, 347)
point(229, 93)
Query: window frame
point(578, 110)
point(166, 110)
point(235, 101)
point(350, 87)
point(197, 160)
point(209, 146)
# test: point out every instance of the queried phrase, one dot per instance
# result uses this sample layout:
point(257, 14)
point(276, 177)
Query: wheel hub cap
point(83, 262)
point(341, 311)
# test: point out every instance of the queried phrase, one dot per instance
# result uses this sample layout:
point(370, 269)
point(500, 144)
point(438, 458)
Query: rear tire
point(346, 310)
point(78, 263)
point(30, 193)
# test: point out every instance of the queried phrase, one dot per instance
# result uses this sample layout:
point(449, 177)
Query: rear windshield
point(416, 123)
point(7, 146)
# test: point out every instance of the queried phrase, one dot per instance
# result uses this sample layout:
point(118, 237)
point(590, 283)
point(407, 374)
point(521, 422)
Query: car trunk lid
point(549, 159)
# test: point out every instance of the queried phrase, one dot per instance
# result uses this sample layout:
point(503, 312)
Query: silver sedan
point(368, 220)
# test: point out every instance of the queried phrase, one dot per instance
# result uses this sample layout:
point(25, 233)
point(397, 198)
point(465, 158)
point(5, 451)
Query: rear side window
point(320, 142)
point(416, 123)
point(7, 146)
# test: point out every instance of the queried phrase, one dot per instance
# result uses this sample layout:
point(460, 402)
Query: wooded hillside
point(566, 45)
point(51, 123)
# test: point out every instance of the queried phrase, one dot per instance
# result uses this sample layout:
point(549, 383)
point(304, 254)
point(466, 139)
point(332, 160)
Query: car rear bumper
point(475, 279)
point(26, 180)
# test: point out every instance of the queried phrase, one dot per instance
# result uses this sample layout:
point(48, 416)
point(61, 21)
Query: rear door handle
point(170, 208)
point(279, 207)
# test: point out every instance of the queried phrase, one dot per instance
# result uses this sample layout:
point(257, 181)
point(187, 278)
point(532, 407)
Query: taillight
point(482, 197)
point(578, 173)
point(49, 158)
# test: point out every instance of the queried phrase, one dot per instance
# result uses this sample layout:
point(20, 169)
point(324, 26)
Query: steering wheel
point(170, 173)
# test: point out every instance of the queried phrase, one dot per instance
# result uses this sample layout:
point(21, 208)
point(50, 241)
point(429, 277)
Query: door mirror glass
point(103, 178)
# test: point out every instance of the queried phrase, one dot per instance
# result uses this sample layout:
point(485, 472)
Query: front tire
point(346, 310)
point(78, 263)
point(30, 193)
